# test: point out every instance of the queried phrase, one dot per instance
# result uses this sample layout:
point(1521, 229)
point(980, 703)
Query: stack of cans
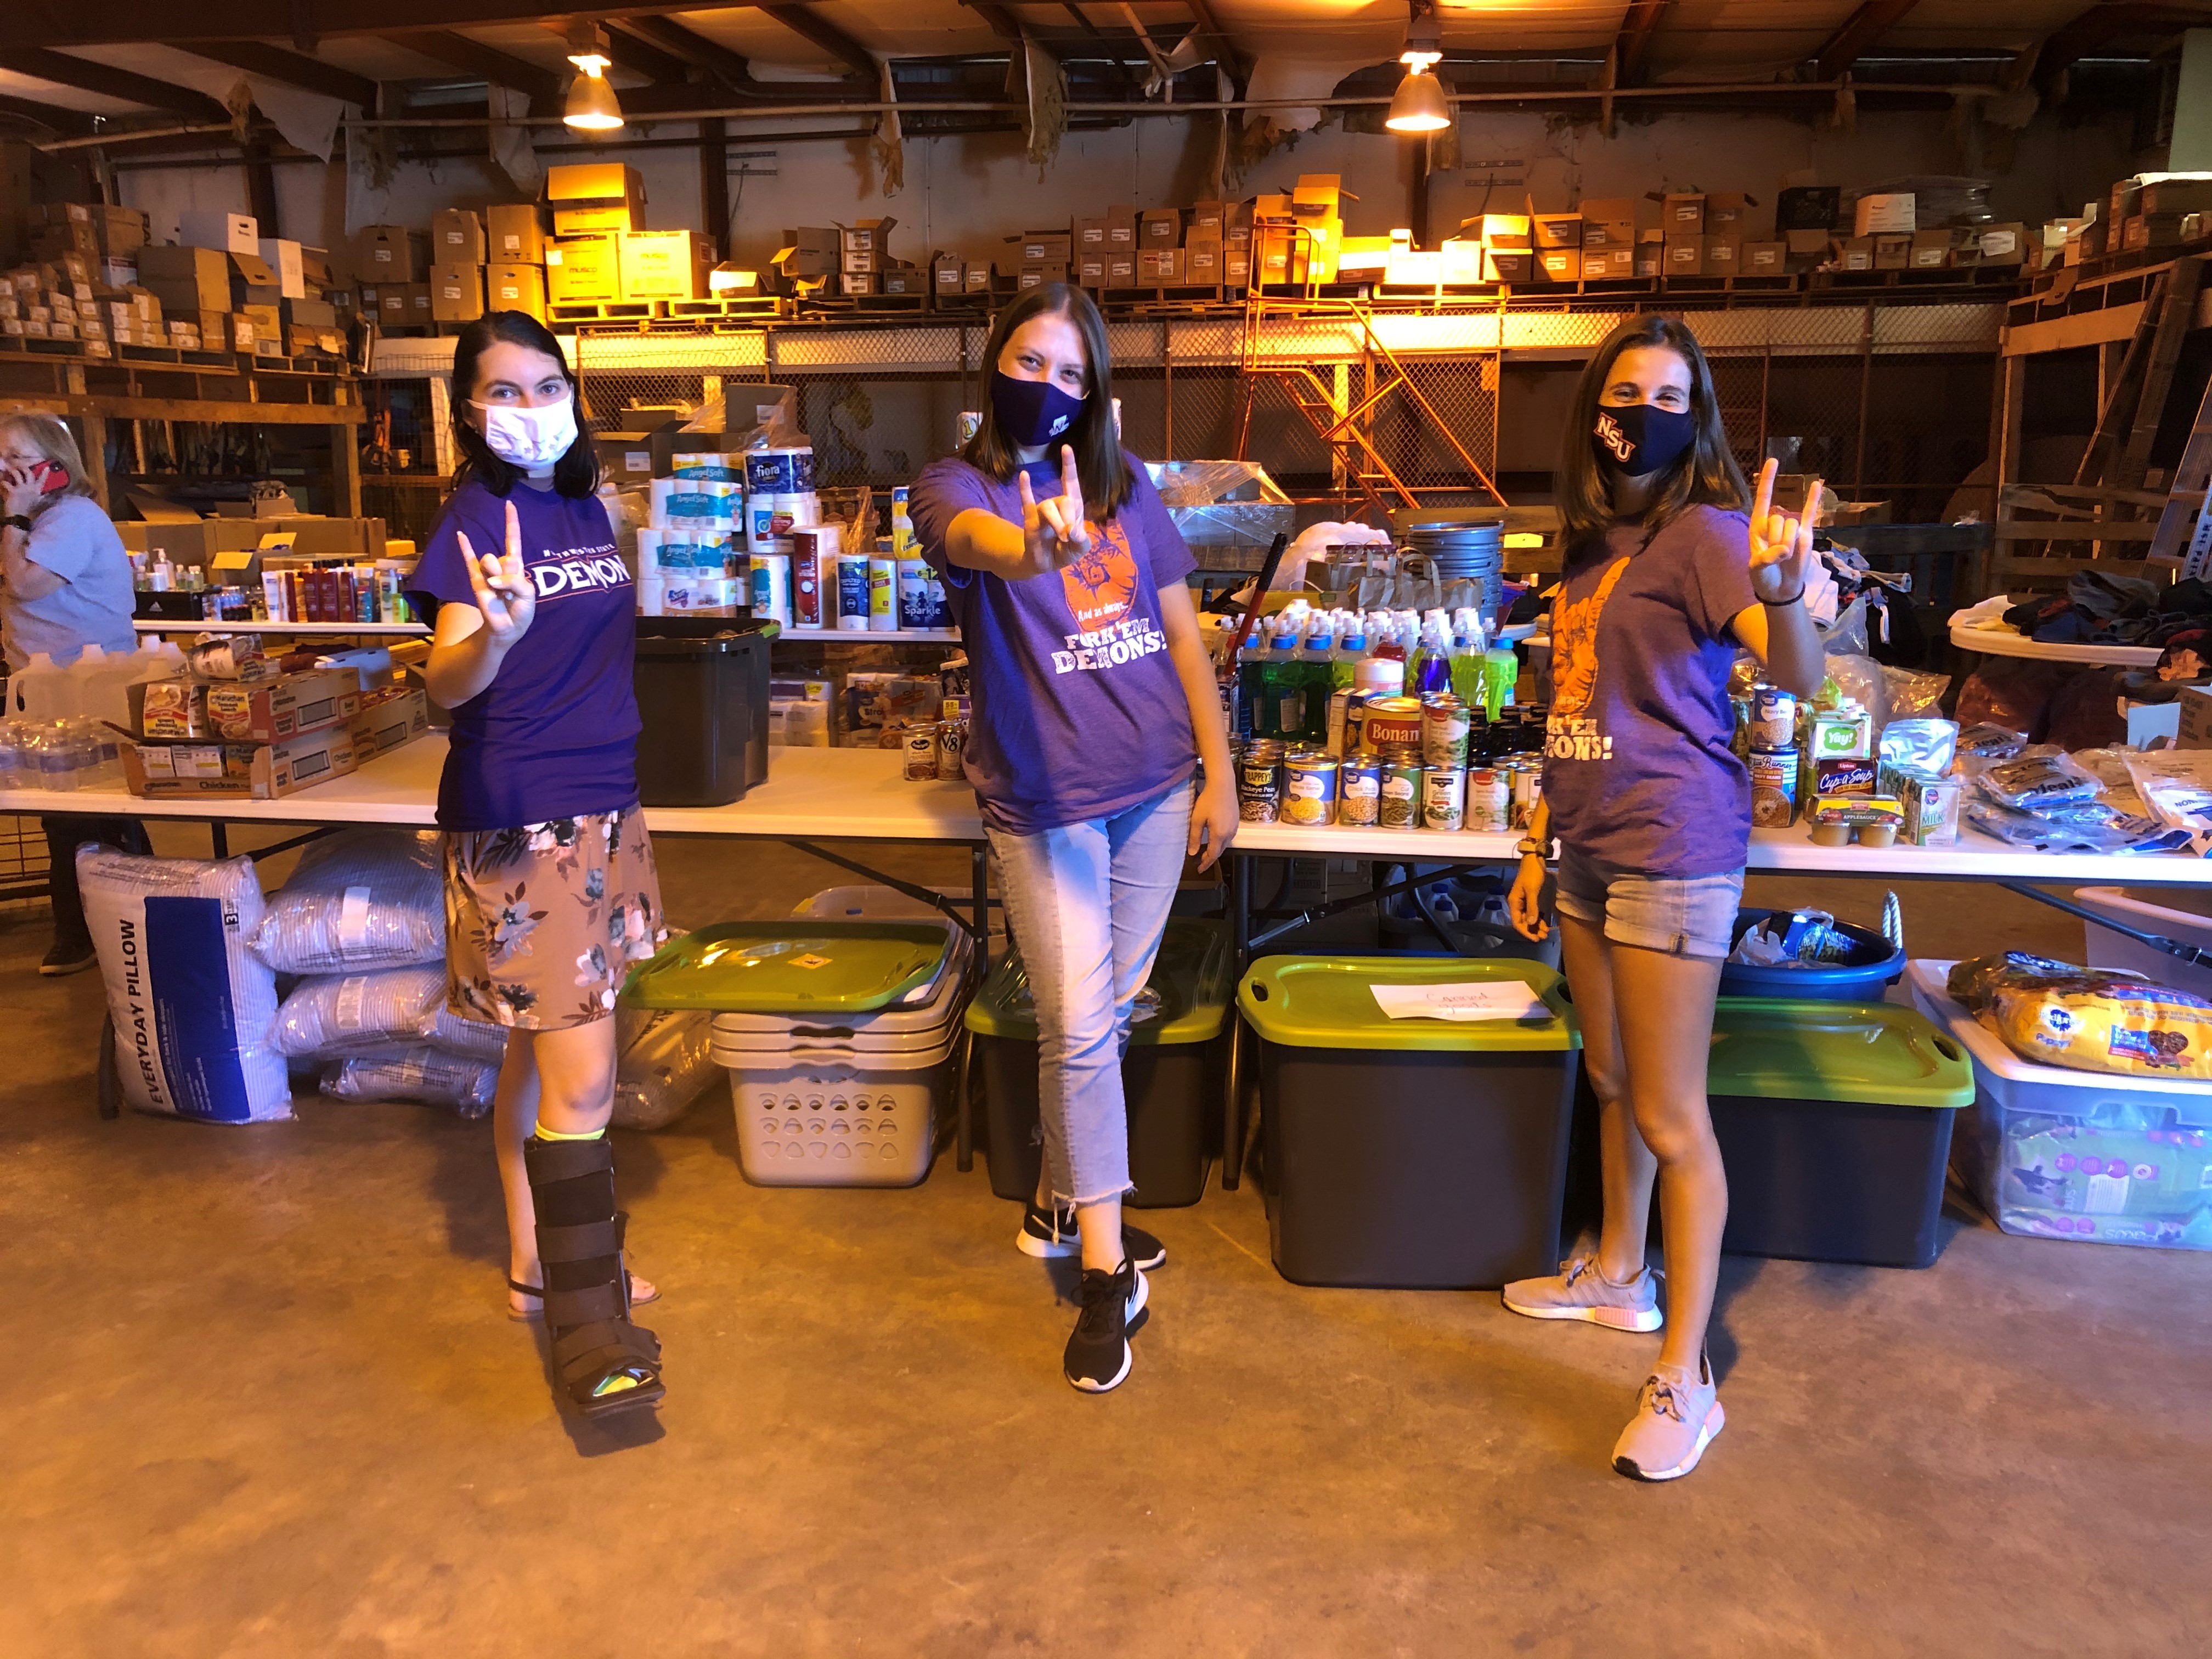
point(1773, 757)
point(1406, 763)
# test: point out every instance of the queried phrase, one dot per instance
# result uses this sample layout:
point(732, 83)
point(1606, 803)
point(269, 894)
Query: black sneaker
point(1052, 1236)
point(69, 957)
point(1097, 1356)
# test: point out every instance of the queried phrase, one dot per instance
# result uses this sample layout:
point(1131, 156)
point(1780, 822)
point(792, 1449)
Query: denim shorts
point(1680, 915)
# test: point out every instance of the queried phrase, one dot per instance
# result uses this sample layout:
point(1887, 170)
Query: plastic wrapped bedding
point(191, 1004)
point(336, 1014)
point(361, 899)
point(667, 1062)
point(418, 1072)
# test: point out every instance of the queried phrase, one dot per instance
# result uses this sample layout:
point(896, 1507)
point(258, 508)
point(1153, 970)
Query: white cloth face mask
point(529, 438)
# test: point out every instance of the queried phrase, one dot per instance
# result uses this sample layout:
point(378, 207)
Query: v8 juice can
point(1401, 807)
point(1443, 798)
point(1309, 788)
point(1359, 791)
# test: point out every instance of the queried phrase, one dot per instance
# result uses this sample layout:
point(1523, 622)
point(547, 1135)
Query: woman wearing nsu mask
point(1094, 702)
point(1664, 579)
point(550, 890)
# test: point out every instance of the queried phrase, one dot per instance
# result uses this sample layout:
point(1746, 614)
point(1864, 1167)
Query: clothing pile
point(2105, 608)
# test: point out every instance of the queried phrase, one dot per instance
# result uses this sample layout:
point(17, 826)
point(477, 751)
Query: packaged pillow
point(361, 899)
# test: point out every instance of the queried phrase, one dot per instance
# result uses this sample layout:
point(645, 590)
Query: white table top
point(859, 794)
point(2004, 642)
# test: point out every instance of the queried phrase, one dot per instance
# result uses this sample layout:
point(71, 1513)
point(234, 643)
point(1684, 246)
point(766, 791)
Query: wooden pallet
point(1169, 294)
point(607, 311)
point(761, 307)
point(866, 305)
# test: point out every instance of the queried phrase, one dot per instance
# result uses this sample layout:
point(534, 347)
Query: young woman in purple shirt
point(1094, 702)
point(1665, 578)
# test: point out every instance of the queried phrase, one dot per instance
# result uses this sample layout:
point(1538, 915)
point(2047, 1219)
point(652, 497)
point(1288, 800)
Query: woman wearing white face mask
point(550, 892)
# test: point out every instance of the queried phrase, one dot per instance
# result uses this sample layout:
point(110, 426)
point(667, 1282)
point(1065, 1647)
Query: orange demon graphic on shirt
point(1101, 589)
point(1573, 734)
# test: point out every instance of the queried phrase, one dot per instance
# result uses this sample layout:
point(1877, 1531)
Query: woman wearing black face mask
point(1664, 579)
point(1094, 700)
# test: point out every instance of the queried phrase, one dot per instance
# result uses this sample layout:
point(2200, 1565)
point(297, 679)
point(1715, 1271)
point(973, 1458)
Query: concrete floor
point(265, 1403)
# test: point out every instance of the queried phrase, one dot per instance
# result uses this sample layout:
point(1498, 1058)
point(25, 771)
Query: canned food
point(1259, 787)
point(1359, 792)
point(1400, 807)
point(1341, 740)
point(1774, 788)
point(1443, 798)
point(1355, 723)
point(921, 752)
point(1774, 718)
point(951, 741)
point(1445, 723)
point(1528, 786)
point(1309, 788)
point(1489, 798)
point(1392, 722)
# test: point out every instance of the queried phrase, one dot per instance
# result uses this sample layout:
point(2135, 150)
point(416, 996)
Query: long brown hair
point(1098, 459)
point(1705, 473)
point(577, 472)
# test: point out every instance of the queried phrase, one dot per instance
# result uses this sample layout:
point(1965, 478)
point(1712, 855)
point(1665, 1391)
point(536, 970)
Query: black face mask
point(1638, 438)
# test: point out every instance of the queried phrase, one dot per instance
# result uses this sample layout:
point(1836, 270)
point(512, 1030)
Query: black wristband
point(1792, 599)
point(19, 520)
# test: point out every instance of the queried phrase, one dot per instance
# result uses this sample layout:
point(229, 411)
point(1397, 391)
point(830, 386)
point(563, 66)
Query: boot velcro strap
point(590, 1352)
point(568, 1160)
point(584, 1242)
point(564, 1308)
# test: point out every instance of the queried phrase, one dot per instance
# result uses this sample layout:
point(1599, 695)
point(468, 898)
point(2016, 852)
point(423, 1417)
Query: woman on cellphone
point(550, 890)
point(1664, 579)
point(1095, 700)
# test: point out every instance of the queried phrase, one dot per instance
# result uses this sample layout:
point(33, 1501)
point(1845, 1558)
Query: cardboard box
point(665, 265)
point(1167, 264)
point(2146, 230)
point(1884, 215)
point(1684, 254)
point(609, 216)
point(186, 279)
point(976, 278)
point(1121, 229)
point(905, 280)
point(1318, 196)
point(1724, 255)
point(289, 706)
point(1037, 276)
point(1808, 207)
point(513, 236)
point(515, 288)
point(857, 284)
point(1508, 265)
point(389, 720)
point(865, 235)
point(1090, 269)
point(1728, 211)
point(1090, 234)
point(1201, 260)
point(1206, 218)
point(1557, 230)
point(808, 251)
point(457, 293)
point(225, 232)
point(1044, 247)
point(457, 238)
point(1682, 214)
point(582, 269)
point(252, 283)
point(1806, 244)
point(1892, 253)
point(1930, 250)
point(1609, 222)
point(945, 273)
point(1121, 270)
point(2195, 729)
point(1237, 226)
point(245, 771)
point(593, 181)
point(1413, 268)
point(391, 253)
point(1159, 227)
point(1506, 231)
point(2003, 245)
point(1235, 264)
point(1764, 259)
point(283, 256)
point(2175, 196)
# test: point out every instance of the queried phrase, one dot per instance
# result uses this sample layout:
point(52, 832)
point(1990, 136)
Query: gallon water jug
point(97, 682)
point(40, 691)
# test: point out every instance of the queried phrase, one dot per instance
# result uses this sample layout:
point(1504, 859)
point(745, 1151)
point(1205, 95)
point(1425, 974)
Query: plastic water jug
point(97, 682)
point(41, 691)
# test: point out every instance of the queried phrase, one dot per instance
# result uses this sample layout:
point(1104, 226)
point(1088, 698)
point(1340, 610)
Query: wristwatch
point(17, 520)
point(1530, 848)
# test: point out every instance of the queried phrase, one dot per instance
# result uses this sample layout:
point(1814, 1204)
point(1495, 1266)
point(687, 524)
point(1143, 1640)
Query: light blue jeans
point(1087, 903)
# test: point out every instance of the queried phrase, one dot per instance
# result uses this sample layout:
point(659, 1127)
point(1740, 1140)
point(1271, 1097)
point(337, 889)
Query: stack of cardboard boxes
point(492, 261)
point(866, 266)
point(602, 253)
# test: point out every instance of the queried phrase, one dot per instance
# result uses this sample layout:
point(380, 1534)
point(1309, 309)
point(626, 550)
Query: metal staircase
point(1346, 426)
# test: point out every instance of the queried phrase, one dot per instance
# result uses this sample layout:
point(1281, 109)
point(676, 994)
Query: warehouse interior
point(273, 1405)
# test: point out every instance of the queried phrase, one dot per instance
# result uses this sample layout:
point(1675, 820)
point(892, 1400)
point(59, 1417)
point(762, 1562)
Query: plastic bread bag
point(415, 1072)
point(331, 1015)
point(2031, 782)
point(359, 899)
point(2176, 788)
point(1919, 744)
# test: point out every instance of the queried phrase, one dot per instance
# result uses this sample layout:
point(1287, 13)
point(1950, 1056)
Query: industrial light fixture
point(1420, 105)
point(593, 106)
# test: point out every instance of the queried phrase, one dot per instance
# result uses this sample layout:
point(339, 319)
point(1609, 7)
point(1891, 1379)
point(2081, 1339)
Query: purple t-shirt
point(1078, 711)
point(554, 735)
point(1638, 768)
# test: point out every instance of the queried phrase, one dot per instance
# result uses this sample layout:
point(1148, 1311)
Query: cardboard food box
point(1159, 227)
point(391, 253)
point(248, 771)
point(225, 232)
point(857, 284)
point(1414, 268)
point(1208, 216)
point(390, 718)
point(603, 217)
point(1764, 259)
point(1202, 261)
point(945, 273)
point(1508, 265)
point(862, 261)
point(457, 293)
point(1091, 268)
point(593, 181)
point(1091, 233)
point(1892, 253)
point(1121, 228)
point(1684, 255)
point(2003, 245)
point(267, 320)
point(513, 236)
point(1609, 222)
point(905, 280)
point(2145, 230)
point(1236, 225)
point(308, 313)
point(1559, 265)
point(1930, 250)
point(1032, 276)
point(186, 279)
point(1884, 215)
point(457, 238)
point(1808, 207)
point(867, 235)
point(1318, 196)
point(1044, 247)
point(1682, 214)
point(2175, 196)
point(1728, 210)
point(1507, 231)
point(1724, 255)
point(975, 277)
point(1557, 230)
point(808, 251)
point(252, 283)
point(665, 265)
point(1121, 270)
point(516, 287)
point(271, 711)
point(582, 269)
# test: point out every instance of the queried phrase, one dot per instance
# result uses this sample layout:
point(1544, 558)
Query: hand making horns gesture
point(1781, 547)
point(505, 594)
point(1054, 533)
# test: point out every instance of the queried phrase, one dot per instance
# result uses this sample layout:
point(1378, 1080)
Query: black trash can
point(704, 704)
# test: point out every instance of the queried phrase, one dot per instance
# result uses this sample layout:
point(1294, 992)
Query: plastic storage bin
point(1409, 1154)
point(2055, 1153)
point(838, 1037)
point(1834, 1121)
point(1171, 1077)
point(1853, 981)
point(2108, 948)
point(705, 703)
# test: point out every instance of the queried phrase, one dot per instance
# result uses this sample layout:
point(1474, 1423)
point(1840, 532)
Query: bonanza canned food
point(1259, 786)
point(1774, 718)
point(1489, 798)
point(921, 752)
point(1391, 722)
point(1445, 723)
point(1308, 789)
point(1774, 788)
point(1400, 803)
point(1443, 798)
point(1359, 792)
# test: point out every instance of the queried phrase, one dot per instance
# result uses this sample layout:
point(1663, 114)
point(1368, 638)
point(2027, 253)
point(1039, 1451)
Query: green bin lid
point(1191, 976)
point(1878, 1052)
point(792, 965)
point(1326, 1002)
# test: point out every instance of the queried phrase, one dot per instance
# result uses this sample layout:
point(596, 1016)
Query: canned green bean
point(1489, 798)
point(1443, 798)
point(1400, 806)
point(1445, 723)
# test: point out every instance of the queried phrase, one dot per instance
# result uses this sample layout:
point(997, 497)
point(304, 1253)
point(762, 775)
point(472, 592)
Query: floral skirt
point(543, 922)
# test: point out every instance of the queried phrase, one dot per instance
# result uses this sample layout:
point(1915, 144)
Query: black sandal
point(587, 1292)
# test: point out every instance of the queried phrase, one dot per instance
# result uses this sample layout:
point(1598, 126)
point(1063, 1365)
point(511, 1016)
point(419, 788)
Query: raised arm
point(1053, 533)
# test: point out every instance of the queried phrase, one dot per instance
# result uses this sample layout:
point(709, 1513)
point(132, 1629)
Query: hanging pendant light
point(1420, 105)
point(593, 106)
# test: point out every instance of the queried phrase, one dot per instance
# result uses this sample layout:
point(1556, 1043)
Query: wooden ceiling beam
point(811, 26)
point(486, 63)
point(1872, 20)
point(1638, 25)
point(68, 122)
point(293, 68)
point(732, 69)
point(88, 77)
point(638, 57)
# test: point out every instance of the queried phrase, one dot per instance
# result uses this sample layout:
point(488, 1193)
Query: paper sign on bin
point(1477, 999)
